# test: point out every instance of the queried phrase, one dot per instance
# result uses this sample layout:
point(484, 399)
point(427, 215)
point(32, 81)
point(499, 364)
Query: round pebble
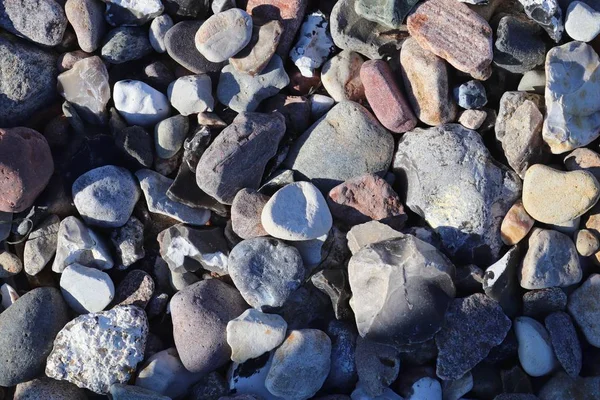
point(470, 95)
point(224, 34)
point(535, 350)
point(191, 94)
point(10, 265)
point(158, 30)
point(139, 103)
point(169, 135)
point(586, 242)
point(86, 289)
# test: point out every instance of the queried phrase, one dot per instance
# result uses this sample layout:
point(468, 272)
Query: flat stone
point(119, 391)
point(565, 342)
point(500, 282)
point(125, 43)
point(155, 187)
point(266, 271)
point(223, 35)
point(180, 45)
point(572, 97)
point(191, 94)
point(135, 144)
point(86, 290)
point(237, 158)
point(29, 327)
point(519, 46)
point(471, 232)
point(254, 333)
point(246, 211)
point(135, 289)
point(139, 103)
point(341, 76)
point(586, 242)
point(516, 224)
point(385, 12)
point(42, 22)
point(253, 58)
point(583, 308)
point(40, 246)
point(473, 326)
point(425, 77)
point(200, 314)
point(169, 135)
point(561, 386)
point(535, 348)
point(377, 366)
point(582, 22)
point(95, 350)
point(87, 19)
point(362, 235)
point(48, 389)
point(393, 300)
point(106, 196)
point(542, 302)
point(243, 92)
point(548, 14)
point(468, 49)
point(314, 44)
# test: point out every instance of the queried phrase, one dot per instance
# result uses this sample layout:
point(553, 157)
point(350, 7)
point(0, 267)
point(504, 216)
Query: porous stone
point(224, 34)
point(246, 211)
point(535, 349)
point(191, 94)
point(179, 42)
point(106, 196)
point(132, 12)
point(370, 232)
point(346, 142)
point(516, 224)
point(253, 58)
point(254, 333)
point(314, 44)
point(169, 135)
point(48, 389)
point(266, 271)
point(565, 342)
point(471, 232)
point(341, 76)
point(41, 245)
point(135, 289)
point(583, 308)
point(125, 43)
point(425, 77)
point(582, 22)
point(95, 350)
point(473, 326)
point(586, 242)
point(158, 30)
point(87, 19)
point(139, 103)
point(542, 302)
point(86, 290)
point(518, 47)
point(40, 21)
point(385, 12)
point(377, 366)
point(548, 14)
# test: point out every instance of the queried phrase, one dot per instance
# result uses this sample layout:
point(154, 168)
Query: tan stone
point(586, 242)
point(341, 76)
point(371, 232)
point(472, 119)
point(255, 57)
point(516, 224)
point(584, 159)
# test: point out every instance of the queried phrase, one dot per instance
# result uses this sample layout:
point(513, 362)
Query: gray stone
point(137, 288)
point(126, 43)
point(179, 42)
point(237, 158)
point(246, 210)
point(106, 196)
point(548, 14)
point(218, 6)
point(390, 13)
point(136, 147)
point(539, 303)
point(40, 21)
point(535, 349)
point(85, 289)
point(377, 366)
point(243, 92)
point(533, 82)
point(334, 283)
point(473, 326)
point(87, 19)
point(500, 282)
point(211, 386)
point(129, 242)
point(223, 35)
point(181, 280)
point(200, 314)
point(132, 12)
point(49, 389)
point(457, 388)
point(479, 193)
point(169, 135)
point(519, 46)
point(191, 94)
point(96, 350)
point(342, 374)
point(314, 44)
point(565, 342)
point(41, 245)
point(401, 289)
point(561, 386)
point(5, 224)
point(266, 271)
point(370, 232)
point(470, 95)
point(119, 391)
point(582, 307)
point(158, 30)
point(28, 328)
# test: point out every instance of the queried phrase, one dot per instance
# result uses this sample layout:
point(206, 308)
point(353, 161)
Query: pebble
point(548, 14)
point(516, 224)
point(48, 389)
point(155, 187)
point(237, 158)
point(385, 98)
point(390, 14)
point(542, 302)
point(377, 366)
point(500, 281)
point(223, 35)
point(555, 197)
point(565, 342)
point(139, 103)
point(253, 334)
point(586, 242)
point(10, 265)
point(519, 47)
point(200, 314)
point(164, 374)
point(191, 94)
point(246, 211)
point(210, 386)
point(169, 135)
point(77, 243)
point(39, 21)
point(95, 350)
point(256, 55)
point(583, 159)
point(573, 112)
point(26, 167)
point(180, 45)
point(135, 289)
point(120, 391)
point(35, 70)
point(158, 30)
point(41, 245)
point(105, 196)
point(87, 19)
point(125, 43)
point(86, 290)
point(314, 44)
point(470, 95)
point(28, 329)
point(533, 81)
point(135, 144)
point(561, 386)
point(383, 279)
point(473, 326)
point(370, 232)
point(468, 49)
point(582, 22)
point(266, 271)
point(300, 365)
point(341, 76)
point(425, 78)
point(243, 92)
point(535, 349)
point(132, 12)
point(472, 119)
point(66, 60)
point(582, 307)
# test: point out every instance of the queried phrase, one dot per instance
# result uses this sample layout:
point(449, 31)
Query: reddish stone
point(365, 198)
point(386, 99)
point(25, 168)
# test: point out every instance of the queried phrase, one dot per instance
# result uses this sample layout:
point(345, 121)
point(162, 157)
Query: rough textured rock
point(468, 49)
point(246, 211)
point(87, 19)
point(535, 349)
point(472, 119)
point(254, 333)
point(500, 282)
point(223, 35)
point(237, 158)
point(135, 289)
point(28, 328)
point(314, 44)
point(40, 21)
point(10, 265)
point(93, 351)
point(548, 14)
point(473, 326)
point(401, 289)
point(561, 386)
point(125, 43)
point(256, 55)
point(516, 224)
point(542, 302)
point(48, 389)
point(519, 47)
point(129, 243)
point(478, 193)
point(41, 245)
point(188, 8)
point(565, 342)
point(583, 307)
point(377, 366)
point(347, 142)
point(340, 76)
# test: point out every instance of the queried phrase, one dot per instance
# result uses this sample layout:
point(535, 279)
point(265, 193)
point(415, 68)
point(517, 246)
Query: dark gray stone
point(125, 43)
point(539, 303)
point(342, 374)
point(137, 146)
point(129, 242)
point(515, 380)
point(518, 47)
point(469, 279)
point(470, 95)
point(515, 396)
point(500, 282)
point(565, 342)
point(195, 145)
point(40, 21)
point(49, 389)
point(119, 391)
point(386, 12)
point(188, 8)
point(377, 366)
point(135, 289)
point(211, 387)
point(180, 45)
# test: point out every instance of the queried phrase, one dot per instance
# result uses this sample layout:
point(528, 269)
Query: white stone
point(218, 6)
point(314, 44)
point(582, 22)
point(78, 244)
point(297, 211)
point(9, 295)
point(191, 94)
point(533, 81)
point(142, 10)
point(319, 105)
point(158, 29)
point(95, 350)
point(369, 232)
point(426, 389)
point(535, 349)
point(254, 333)
point(139, 103)
point(86, 289)
point(223, 35)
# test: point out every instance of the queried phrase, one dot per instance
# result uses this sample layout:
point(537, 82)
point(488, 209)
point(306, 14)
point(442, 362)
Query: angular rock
point(86, 290)
point(139, 103)
point(472, 119)
point(334, 283)
point(535, 348)
point(125, 44)
point(548, 14)
point(509, 103)
point(518, 47)
point(87, 19)
point(41, 245)
point(533, 81)
point(212, 385)
point(470, 95)
point(254, 333)
point(128, 12)
point(135, 144)
point(188, 8)
point(500, 282)
point(42, 22)
point(565, 342)
point(478, 193)
point(582, 307)
point(385, 12)
point(135, 289)
point(370, 232)
point(314, 44)
point(223, 35)
point(9, 295)
point(256, 55)
point(246, 211)
point(377, 365)
point(516, 224)
point(48, 389)
point(582, 22)
point(341, 76)
point(179, 42)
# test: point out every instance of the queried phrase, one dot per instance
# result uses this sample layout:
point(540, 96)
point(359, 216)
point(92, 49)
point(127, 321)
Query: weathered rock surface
point(41, 245)
point(314, 44)
point(246, 211)
point(87, 19)
point(40, 21)
point(388, 13)
point(565, 342)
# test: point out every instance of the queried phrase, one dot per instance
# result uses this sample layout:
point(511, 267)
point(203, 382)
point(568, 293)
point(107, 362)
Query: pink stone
point(385, 98)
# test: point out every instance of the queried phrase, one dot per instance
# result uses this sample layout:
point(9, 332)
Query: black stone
point(334, 283)
point(515, 380)
point(518, 47)
point(136, 145)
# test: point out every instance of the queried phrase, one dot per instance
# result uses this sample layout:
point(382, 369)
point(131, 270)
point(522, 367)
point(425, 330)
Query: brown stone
point(365, 198)
point(257, 54)
point(453, 31)
point(516, 224)
point(341, 76)
point(472, 119)
point(584, 159)
point(301, 85)
point(246, 211)
point(385, 98)
point(25, 167)
point(67, 60)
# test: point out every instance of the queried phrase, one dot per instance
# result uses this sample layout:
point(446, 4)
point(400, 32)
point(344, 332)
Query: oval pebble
point(535, 350)
point(224, 34)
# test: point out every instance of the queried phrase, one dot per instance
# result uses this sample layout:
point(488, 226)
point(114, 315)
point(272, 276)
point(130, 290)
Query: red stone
point(25, 168)
point(385, 98)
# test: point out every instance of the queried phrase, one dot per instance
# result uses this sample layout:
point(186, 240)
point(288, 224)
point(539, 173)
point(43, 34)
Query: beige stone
point(341, 76)
point(516, 224)
point(584, 159)
point(586, 242)
point(257, 54)
point(472, 119)
point(371, 232)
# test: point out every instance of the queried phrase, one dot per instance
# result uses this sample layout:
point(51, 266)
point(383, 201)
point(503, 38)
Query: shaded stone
point(48, 389)
point(256, 55)
point(561, 386)
point(127, 12)
point(516, 224)
point(158, 30)
point(385, 12)
point(179, 42)
point(470, 95)
point(135, 289)
point(342, 374)
point(583, 308)
point(565, 342)
point(583, 159)
point(539, 303)
point(518, 47)
point(119, 391)
point(87, 19)
point(246, 210)
point(548, 14)
point(188, 8)
point(223, 35)
point(41, 245)
point(341, 77)
point(515, 380)
point(472, 119)
point(377, 365)
point(370, 232)
point(125, 44)
point(500, 282)
point(334, 283)
point(40, 21)
point(586, 242)
point(136, 145)
point(10, 265)
point(213, 385)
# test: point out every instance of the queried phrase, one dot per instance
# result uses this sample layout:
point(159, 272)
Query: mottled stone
point(128, 241)
point(586, 242)
point(561, 386)
point(516, 224)
point(188, 8)
point(40, 21)
point(385, 12)
point(256, 55)
point(41, 245)
point(472, 119)
point(223, 35)
point(470, 95)
point(135, 289)
point(377, 366)
point(583, 159)
point(87, 19)
point(341, 76)
point(10, 265)
point(125, 43)
point(119, 391)
point(583, 308)
point(542, 302)
point(370, 232)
